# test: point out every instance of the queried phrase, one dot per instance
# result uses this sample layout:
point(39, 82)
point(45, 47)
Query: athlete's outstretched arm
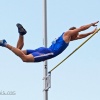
point(80, 36)
point(82, 28)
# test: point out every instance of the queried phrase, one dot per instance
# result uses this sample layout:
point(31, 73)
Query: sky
point(78, 78)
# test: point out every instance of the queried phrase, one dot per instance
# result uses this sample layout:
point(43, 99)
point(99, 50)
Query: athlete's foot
point(3, 43)
point(21, 29)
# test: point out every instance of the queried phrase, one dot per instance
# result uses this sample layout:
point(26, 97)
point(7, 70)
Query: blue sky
point(78, 78)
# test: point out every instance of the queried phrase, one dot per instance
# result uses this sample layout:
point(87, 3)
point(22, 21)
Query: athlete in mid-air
point(56, 48)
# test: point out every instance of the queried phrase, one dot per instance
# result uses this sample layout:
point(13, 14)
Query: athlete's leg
point(24, 51)
point(18, 52)
point(20, 42)
point(22, 32)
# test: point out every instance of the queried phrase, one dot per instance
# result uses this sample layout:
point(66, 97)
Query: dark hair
point(72, 28)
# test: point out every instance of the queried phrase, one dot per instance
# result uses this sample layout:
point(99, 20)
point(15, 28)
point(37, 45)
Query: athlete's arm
point(82, 28)
point(80, 36)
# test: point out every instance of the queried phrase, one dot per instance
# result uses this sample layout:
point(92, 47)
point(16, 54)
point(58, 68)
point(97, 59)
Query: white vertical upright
point(45, 70)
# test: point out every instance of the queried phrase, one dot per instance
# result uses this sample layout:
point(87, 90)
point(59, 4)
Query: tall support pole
point(45, 70)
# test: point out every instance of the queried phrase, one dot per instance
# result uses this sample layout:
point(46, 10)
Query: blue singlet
point(42, 53)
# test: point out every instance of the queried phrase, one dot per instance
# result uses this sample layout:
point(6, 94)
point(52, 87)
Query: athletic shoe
point(21, 30)
point(3, 43)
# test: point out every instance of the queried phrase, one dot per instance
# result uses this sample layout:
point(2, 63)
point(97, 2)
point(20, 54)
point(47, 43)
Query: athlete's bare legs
point(20, 43)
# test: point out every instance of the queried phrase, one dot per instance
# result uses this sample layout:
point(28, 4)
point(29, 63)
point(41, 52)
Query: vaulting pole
point(45, 70)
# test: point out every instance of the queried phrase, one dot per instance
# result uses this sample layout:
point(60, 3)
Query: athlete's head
point(74, 35)
point(72, 28)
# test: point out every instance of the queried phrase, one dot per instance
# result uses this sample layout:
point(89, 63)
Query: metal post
point(45, 71)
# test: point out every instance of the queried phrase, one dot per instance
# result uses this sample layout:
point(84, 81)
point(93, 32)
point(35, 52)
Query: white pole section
point(45, 70)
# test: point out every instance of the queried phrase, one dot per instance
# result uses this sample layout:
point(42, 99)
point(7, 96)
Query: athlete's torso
point(58, 46)
point(42, 53)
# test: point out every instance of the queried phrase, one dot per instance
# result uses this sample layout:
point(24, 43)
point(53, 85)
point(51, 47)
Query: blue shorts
point(42, 53)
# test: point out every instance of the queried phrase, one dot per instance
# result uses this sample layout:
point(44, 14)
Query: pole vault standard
point(45, 70)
